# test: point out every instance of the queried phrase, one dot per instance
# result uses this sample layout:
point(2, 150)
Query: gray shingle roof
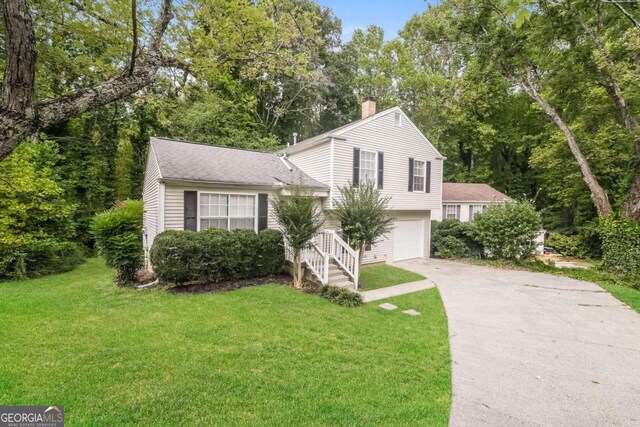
point(460, 192)
point(188, 161)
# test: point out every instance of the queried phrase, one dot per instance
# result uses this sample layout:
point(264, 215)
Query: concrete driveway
point(535, 349)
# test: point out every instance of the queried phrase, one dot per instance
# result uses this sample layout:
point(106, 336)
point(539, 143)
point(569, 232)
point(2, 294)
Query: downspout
point(331, 160)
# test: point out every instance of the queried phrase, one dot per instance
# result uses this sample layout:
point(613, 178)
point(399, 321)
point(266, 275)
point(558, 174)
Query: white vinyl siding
point(150, 198)
point(419, 176)
point(398, 143)
point(398, 118)
point(451, 211)
point(314, 162)
point(368, 166)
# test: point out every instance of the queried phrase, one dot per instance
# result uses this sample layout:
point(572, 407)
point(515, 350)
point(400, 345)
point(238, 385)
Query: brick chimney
point(368, 107)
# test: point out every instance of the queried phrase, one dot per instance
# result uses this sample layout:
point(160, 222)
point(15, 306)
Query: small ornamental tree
point(507, 231)
point(363, 212)
point(300, 220)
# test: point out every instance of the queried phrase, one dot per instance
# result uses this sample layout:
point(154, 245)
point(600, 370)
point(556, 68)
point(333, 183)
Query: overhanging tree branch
point(19, 118)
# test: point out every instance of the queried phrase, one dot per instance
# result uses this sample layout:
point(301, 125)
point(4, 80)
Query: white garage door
point(408, 238)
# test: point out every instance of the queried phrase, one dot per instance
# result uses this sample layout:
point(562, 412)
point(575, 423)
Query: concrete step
point(337, 274)
point(342, 283)
point(347, 285)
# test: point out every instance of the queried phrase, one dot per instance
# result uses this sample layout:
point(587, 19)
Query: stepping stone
point(387, 306)
point(412, 312)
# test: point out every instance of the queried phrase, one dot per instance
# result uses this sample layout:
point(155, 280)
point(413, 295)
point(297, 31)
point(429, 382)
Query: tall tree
point(22, 115)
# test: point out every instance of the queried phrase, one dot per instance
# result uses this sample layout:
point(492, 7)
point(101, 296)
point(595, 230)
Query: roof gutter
point(233, 184)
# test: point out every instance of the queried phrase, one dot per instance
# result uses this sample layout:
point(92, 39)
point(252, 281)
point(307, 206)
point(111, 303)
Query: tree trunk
point(631, 207)
point(20, 119)
point(611, 83)
point(297, 270)
point(20, 47)
point(598, 195)
point(360, 256)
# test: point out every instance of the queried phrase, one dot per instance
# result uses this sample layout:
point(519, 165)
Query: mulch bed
point(229, 285)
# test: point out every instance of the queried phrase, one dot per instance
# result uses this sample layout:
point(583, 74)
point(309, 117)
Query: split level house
point(191, 186)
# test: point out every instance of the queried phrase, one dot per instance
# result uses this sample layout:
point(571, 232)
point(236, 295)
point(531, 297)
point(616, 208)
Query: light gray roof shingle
point(188, 161)
point(462, 192)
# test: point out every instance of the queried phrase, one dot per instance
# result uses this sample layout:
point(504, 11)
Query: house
point(192, 186)
point(464, 201)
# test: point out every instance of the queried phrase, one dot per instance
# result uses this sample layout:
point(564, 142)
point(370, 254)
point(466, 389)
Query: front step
point(337, 277)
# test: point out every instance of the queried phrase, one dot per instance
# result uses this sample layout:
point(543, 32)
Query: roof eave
point(236, 184)
point(302, 145)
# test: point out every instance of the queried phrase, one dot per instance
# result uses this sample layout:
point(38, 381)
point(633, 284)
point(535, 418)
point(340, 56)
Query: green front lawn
point(383, 275)
point(267, 355)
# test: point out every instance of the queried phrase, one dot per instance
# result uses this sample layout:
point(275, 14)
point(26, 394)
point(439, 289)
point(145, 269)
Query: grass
point(268, 355)
point(384, 275)
point(619, 287)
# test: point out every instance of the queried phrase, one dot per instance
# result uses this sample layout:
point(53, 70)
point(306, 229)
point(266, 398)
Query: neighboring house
point(465, 201)
point(195, 186)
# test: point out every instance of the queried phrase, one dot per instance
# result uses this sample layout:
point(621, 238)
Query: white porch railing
point(325, 247)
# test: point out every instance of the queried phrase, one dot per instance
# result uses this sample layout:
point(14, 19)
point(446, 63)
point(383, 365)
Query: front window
point(451, 211)
point(368, 167)
point(474, 210)
point(419, 174)
point(228, 211)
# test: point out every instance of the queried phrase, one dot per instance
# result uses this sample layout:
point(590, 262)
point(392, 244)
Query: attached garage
point(408, 238)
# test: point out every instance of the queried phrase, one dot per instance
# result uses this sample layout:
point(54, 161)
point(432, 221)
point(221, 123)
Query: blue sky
point(390, 14)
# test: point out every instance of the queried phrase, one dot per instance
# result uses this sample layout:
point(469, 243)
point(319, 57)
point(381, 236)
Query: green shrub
point(270, 252)
point(118, 234)
point(242, 257)
point(36, 258)
point(507, 230)
point(450, 239)
point(567, 245)
point(215, 260)
point(36, 218)
point(216, 254)
point(341, 296)
point(177, 256)
point(621, 247)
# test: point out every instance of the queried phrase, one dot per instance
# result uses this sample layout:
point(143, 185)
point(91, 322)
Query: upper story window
point(475, 210)
point(228, 211)
point(368, 166)
point(419, 175)
point(451, 211)
point(398, 118)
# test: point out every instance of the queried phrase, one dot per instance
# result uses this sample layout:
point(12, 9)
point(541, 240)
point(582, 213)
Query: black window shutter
point(356, 167)
point(263, 209)
point(191, 210)
point(380, 168)
point(428, 172)
point(410, 174)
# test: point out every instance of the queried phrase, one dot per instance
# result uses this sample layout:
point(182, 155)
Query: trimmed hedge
point(216, 254)
point(341, 296)
point(118, 234)
point(621, 247)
